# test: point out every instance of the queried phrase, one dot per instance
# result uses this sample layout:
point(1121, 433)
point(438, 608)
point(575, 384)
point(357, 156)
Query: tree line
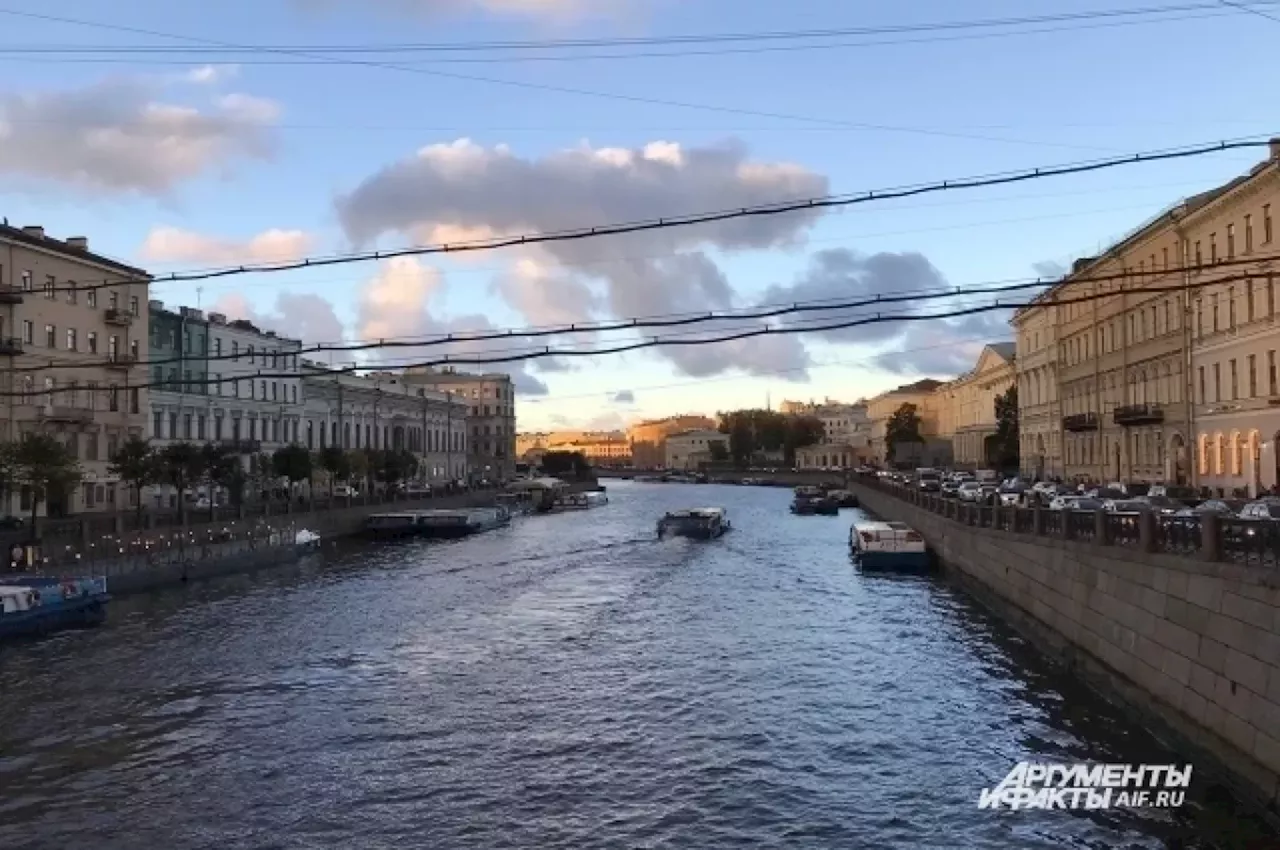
point(46, 466)
point(752, 432)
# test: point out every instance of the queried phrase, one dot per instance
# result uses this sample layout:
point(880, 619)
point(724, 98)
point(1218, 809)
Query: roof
point(58, 246)
point(1007, 350)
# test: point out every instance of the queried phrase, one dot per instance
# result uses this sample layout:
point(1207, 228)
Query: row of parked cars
point(1166, 501)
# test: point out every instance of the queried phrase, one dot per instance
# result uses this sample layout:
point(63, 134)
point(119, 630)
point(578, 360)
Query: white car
point(969, 491)
point(346, 491)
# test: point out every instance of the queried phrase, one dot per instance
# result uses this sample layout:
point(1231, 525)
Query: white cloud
point(470, 189)
point(208, 75)
point(174, 245)
point(115, 136)
point(303, 316)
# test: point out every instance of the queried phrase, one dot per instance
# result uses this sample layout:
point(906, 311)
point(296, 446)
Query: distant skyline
point(178, 154)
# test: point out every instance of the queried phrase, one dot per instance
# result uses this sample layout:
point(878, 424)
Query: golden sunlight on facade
point(600, 448)
point(648, 439)
point(966, 407)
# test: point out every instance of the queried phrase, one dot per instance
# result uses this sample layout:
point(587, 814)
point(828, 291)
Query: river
point(568, 682)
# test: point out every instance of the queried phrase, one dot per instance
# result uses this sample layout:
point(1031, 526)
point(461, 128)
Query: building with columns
point(1040, 431)
point(379, 410)
point(491, 442)
point(73, 330)
point(966, 406)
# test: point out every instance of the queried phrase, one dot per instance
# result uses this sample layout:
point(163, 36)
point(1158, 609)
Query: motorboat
point(581, 501)
point(695, 523)
point(38, 605)
point(889, 546)
point(808, 505)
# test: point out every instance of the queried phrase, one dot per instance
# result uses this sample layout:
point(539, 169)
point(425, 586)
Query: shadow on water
point(568, 682)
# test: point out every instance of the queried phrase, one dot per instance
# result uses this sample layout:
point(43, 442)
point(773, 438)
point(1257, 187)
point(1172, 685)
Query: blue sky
point(190, 159)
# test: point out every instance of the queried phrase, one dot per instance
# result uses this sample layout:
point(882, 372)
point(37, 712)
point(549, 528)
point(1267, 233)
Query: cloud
point(115, 136)
point(174, 245)
point(623, 397)
point(208, 75)
point(473, 189)
point(396, 304)
point(303, 316)
point(553, 10)
point(944, 348)
point(1049, 269)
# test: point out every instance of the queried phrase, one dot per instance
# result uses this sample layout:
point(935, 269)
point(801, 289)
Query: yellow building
point(965, 407)
point(688, 449)
point(1039, 411)
point(648, 439)
point(882, 407)
point(75, 356)
point(601, 448)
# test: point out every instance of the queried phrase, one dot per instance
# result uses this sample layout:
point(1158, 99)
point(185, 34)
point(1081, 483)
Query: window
point(1213, 299)
point(113, 347)
point(91, 298)
point(113, 301)
point(186, 426)
point(70, 288)
point(1213, 247)
point(133, 348)
point(294, 393)
point(275, 391)
point(1235, 384)
point(262, 386)
point(157, 425)
point(235, 351)
point(71, 339)
point(113, 398)
point(173, 426)
point(1271, 372)
point(1248, 301)
point(1199, 261)
point(1164, 257)
point(200, 427)
point(1248, 233)
point(218, 382)
point(91, 339)
point(217, 346)
point(1217, 382)
point(27, 285)
point(28, 332)
point(133, 304)
point(1253, 375)
point(50, 287)
point(1231, 241)
point(1231, 307)
point(135, 400)
point(50, 336)
point(1266, 224)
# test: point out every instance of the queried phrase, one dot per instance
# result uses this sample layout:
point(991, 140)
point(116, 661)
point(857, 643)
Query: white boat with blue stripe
point(889, 546)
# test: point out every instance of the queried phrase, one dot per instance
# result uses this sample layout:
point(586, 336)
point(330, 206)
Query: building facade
point(966, 406)
point(492, 417)
point(648, 439)
point(222, 381)
point(380, 410)
point(688, 449)
point(882, 407)
point(73, 327)
point(1040, 431)
point(828, 456)
point(600, 448)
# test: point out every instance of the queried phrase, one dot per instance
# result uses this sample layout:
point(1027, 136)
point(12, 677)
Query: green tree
point(1005, 449)
point(801, 431)
point(45, 465)
point(902, 428)
point(719, 451)
point(135, 463)
point(395, 465)
point(359, 468)
point(223, 470)
point(8, 471)
point(566, 464)
point(333, 461)
point(181, 466)
point(292, 462)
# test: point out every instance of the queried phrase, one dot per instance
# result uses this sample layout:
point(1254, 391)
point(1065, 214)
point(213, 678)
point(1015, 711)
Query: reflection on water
point(568, 682)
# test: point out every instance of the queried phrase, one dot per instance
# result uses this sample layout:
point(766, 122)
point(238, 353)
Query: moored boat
point(889, 546)
point(581, 501)
point(439, 523)
point(36, 605)
point(696, 523)
point(808, 506)
point(843, 498)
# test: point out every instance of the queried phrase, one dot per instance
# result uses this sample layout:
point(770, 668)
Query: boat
point(37, 605)
point(888, 546)
point(843, 498)
point(696, 523)
point(580, 501)
point(306, 541)
point(439, 523)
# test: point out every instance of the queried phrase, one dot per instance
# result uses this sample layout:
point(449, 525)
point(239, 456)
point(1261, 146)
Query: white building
point(842, 424)
point(379, 411)
point(220, 381)
point(687, 449)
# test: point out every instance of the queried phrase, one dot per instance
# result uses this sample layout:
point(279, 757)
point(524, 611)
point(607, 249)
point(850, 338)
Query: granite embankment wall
point(1191, 643)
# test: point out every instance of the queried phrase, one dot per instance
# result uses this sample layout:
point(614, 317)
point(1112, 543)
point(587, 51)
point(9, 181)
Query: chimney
point(79, 243)
point(34, 230)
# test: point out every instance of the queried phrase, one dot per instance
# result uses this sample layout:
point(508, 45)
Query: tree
point(333, 460)
point(135, 464)
point(394, 465)
point(45, 465)
point(801, 431)
point(223, 470)
point(360, 467)
point(566, 464)
point(8, 471)
point(1005, 449)
point(903, 427)
point(181, 465)
point(719, 452)
point(752, 431)
point(292, 462)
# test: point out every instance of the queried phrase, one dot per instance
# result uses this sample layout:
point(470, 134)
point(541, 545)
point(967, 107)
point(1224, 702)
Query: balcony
point(10, 294)
point(67, 413)
point(1080, 422)
point(11, 347)
point(124, 362)
point(1138, 414)
point(116, 316)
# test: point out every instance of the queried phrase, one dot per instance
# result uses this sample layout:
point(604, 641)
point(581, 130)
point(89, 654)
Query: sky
point(183, 136)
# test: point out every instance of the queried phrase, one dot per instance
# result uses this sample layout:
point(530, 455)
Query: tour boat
point(893, 546)
point(697, 523)
point(36, 605)
point(445, 524)
point(581, 501)
point(817, 504)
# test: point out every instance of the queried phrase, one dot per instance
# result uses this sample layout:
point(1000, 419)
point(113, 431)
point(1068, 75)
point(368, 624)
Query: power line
point(671, 340)
point(523, 84)
point(1245, 7)
point(676, 320)
point(89, 54)
point(809, 204)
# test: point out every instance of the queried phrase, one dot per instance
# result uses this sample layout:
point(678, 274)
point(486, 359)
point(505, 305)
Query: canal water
point(569, 682)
